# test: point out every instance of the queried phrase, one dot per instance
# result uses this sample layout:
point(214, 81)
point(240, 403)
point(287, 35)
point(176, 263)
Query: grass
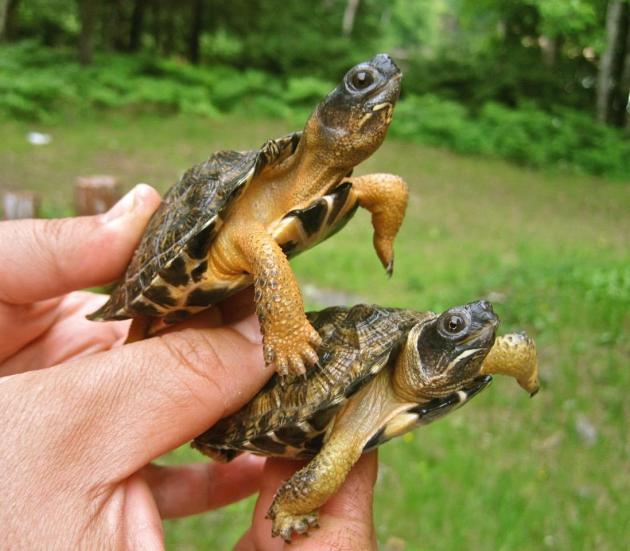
point(549, 248)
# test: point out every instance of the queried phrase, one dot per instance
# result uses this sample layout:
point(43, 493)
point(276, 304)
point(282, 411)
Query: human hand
point(83, 417)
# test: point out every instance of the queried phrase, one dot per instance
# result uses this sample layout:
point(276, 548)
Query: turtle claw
point(390, 268)
point(291, 354)
point(286, 525)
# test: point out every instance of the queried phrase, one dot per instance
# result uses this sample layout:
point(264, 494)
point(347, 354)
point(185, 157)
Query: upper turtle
point(233, 220)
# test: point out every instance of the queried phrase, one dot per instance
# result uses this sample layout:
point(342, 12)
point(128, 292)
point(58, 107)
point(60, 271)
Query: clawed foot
point(291, 351)
point(385, 251)
point(285, 524)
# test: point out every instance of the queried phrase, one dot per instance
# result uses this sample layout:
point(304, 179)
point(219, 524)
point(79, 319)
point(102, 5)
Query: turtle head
point(351, 123)
point(444, 353)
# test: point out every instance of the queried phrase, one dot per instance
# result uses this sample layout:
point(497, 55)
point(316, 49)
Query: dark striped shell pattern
point(174, 247)
point(290, 418)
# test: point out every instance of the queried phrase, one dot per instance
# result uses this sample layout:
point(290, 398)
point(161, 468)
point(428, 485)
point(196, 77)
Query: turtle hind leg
point(385, 197)
point(222, 456)
point(143, 327)
point(139, 329)
point(294, 509)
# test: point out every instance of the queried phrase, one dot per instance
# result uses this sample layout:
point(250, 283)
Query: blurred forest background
point(513, 134)
point(541, 82)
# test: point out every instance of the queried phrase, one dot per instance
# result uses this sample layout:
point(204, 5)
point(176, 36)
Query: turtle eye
point(361, 80)
point(453, 324)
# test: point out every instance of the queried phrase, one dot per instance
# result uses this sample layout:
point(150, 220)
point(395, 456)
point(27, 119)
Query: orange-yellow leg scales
point(385, 197)
point(514, 355)
point(289, 340)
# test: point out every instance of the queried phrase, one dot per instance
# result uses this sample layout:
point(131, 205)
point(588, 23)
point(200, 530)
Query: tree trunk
point(155, 24)
point(120, 19)
point(625, 85)
point(113, 22)
point(16, 205)
point(4, 8)
point(95, 194)
point(137, 21)
point(87, 16)
point(611, 67)
point(8, 17)
point(348, 17)
point(550, 47)
point(621, 85)
point(168, 32)
point(196, 26)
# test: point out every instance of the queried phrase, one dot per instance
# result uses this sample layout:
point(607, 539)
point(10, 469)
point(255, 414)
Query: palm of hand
point(53, 331)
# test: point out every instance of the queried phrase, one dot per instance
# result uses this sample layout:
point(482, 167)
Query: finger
point(52, 257)
point(191, 489)
point(66, 335)
point(136, 401)
point(142, 528)
point(345, 520)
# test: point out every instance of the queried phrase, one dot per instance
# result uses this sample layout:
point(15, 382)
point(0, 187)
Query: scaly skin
point(385, 197)
point(295, 505)
point(514, 354)
point(289, 341)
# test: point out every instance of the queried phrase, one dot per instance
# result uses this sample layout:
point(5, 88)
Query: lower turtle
point(237, 218)
point(381, 372)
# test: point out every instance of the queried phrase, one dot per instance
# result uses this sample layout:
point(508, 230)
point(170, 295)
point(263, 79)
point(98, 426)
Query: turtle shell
point(290, 418)
point(175, 244)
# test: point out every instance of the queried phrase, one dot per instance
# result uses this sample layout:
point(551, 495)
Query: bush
point(526, 134)
point(38, 84)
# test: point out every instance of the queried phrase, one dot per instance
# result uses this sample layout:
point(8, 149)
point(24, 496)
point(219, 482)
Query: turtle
point(238, 217)
point(381, 372)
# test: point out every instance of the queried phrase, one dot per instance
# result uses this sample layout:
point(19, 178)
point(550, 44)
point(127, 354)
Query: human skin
point(83, 417)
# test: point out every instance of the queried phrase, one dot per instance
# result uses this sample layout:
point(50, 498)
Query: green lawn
point(549, 249)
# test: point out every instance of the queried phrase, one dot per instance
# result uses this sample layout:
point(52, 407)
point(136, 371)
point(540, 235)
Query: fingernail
point(128, 203)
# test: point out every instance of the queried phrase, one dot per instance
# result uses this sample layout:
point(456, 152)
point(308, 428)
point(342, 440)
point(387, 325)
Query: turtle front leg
point(294, 509)
point(289, 340)
point(385, 196)
point(515, 355)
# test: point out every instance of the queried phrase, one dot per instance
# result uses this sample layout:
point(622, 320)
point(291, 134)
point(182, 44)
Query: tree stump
point(95, 194)
point(19, 204)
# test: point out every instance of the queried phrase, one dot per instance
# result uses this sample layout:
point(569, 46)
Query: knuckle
point(54, 231)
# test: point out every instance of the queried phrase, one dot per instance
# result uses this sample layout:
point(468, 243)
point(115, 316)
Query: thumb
point(47, 258)
point(107, 415)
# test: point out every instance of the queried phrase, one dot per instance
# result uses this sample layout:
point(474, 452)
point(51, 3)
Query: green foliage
point(526, 134)
point(472, 51)
point(40, 84)
point(437, 121)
